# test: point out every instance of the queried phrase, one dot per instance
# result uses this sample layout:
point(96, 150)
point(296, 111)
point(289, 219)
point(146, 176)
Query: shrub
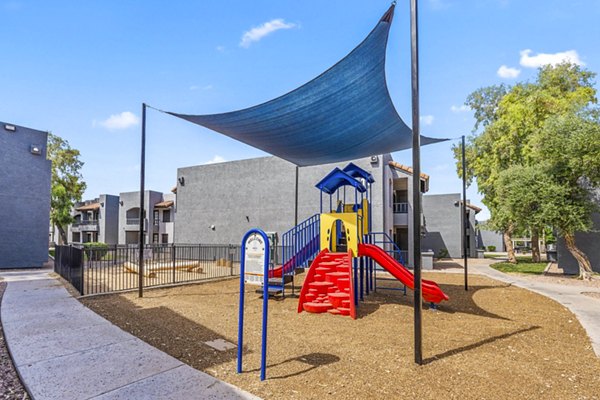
point(491, 248)
point(443, 253)
point(95, 250)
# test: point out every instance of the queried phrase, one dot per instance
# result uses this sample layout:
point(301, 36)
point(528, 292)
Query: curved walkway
point(586, 309)
point(63, 350)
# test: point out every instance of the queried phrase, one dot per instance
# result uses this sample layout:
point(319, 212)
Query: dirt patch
point(492, 342)
point(10, 385)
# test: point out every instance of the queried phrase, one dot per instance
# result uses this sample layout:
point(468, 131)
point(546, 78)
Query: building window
point(76, 237)
point(167, 216)
point(165, 238)
point(155, 238)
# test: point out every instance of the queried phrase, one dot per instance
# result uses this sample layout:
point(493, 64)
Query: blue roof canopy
point(345, 113)
point(336, 179)
point(357, 172)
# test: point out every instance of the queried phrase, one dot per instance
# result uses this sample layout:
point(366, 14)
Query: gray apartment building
point(25, 197)
point(159, 217)
point(218, 203)
point(443, 228)
point(96, 220)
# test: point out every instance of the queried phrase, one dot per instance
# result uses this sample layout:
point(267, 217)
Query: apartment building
point(25, 197)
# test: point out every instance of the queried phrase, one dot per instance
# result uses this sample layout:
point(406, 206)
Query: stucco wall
point(132, 200)
point(491, 238)
point(236, 196)
point(24, 198)
point(443, 223)
point(109, 219)
point(588, 242)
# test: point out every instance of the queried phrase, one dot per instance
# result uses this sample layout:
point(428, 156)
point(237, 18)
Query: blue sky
point(82, 69)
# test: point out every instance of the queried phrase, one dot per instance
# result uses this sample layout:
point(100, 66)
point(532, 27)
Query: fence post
point(231, 260)
point(173, 249)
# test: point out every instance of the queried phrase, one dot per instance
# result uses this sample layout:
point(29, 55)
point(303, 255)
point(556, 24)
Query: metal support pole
point(464, 213)
point(296, 200)
point(416, 180)
point(142, 179)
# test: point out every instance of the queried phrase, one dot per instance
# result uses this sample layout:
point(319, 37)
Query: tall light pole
point(416, 182)
point(142, 182)
point(464, 219)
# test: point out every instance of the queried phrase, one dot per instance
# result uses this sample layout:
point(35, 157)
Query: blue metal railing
point(383, 240)
point(301, 244)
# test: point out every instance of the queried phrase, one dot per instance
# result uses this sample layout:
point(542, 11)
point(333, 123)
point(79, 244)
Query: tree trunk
point(535, 245)
point(585, 267)
point(62, 235)
point(507, 236)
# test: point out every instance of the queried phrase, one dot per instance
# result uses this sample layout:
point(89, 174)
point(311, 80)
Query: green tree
point(569, 148)
point(67, 185)
point(511, 119)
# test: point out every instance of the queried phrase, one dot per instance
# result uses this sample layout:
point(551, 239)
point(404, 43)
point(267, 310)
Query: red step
point(317, 307)
point(334, 276)
point(321, 287)
point(336, 299)
point(334, 311)
point(343, 268)
point(346, 303)
point(343, 283)
point(344, 310)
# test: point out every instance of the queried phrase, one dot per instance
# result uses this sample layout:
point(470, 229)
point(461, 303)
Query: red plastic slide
point(431, 291)
point(287, 267)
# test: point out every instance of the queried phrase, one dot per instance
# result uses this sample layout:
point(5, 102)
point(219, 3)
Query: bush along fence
point(105, 269)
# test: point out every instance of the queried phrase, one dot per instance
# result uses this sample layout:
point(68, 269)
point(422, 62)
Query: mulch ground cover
point(10, 385)
point(493, 342)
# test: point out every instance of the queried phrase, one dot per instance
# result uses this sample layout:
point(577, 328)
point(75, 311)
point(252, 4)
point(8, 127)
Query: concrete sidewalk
point(586, 309)
point(63, 350)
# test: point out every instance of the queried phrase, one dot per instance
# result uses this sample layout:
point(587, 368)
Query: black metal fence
point(68, 263)
point(115, 268)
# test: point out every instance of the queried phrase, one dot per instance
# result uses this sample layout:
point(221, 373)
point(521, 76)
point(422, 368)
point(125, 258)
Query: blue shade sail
point(336, 179)
point(345, 113)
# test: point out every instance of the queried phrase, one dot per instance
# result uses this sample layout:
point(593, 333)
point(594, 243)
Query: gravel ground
point(492, 342)
point(10, 385)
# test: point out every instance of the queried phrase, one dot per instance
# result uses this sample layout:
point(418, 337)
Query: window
point(165, 238)
point(76, 237)
point(155, 217)
point(155, 238)
point(167, 216)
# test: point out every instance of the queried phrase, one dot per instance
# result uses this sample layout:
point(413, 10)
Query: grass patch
point(521, 267)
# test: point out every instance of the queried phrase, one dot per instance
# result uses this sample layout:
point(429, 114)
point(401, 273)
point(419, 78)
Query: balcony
point(135, 222)
point(400, 208)
point(86, 225)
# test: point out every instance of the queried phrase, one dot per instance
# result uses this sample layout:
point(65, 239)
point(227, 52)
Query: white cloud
point(123, 120)
point(459, 109)
point(221, 49)
point(507, 72)
point(216, 159)
point(427, 119)
point(257, 33)
point(541, 59)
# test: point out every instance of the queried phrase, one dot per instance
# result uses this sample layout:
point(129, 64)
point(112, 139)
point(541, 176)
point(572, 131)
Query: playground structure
point(341, 250)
